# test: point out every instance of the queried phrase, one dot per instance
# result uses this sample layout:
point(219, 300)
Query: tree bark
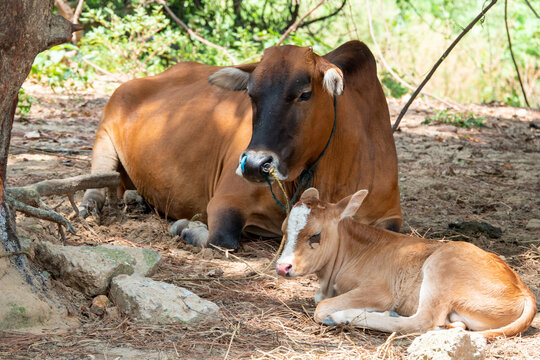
point(27, 27)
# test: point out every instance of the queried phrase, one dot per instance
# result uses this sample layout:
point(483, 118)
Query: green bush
point(457, 119)
point(25, 103)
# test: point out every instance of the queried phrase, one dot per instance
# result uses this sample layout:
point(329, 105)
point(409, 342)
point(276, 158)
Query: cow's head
point(291, 92)
point(311, 232)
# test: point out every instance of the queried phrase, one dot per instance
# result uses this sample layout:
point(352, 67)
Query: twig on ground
point(512, 52)
point(194, 35)
point(441, 59)
point(294, 26)
point(49, 215)
point(392, 72)
point(27, 199)
point(22, 252)
point(230, 342)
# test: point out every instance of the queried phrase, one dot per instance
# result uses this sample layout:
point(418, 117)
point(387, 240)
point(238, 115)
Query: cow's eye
point(305, 96)
point(314, 239)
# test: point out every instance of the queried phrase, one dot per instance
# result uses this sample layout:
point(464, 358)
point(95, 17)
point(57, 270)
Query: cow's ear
point(332, 76)
point(232, 78)
point(351, 204)
point(310, 193)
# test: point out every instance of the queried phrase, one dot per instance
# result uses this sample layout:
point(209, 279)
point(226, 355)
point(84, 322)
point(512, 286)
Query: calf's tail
point(519, 325)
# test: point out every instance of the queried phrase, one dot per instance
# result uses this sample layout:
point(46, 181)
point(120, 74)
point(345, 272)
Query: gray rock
point(91, 268)
point(157, 302)
point(533, 224)
point(146, 260)
point(448, 345)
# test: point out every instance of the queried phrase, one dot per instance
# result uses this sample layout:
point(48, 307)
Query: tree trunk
point(27, 27)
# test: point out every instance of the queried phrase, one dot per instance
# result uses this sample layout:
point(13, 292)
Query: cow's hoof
point(226, 242)
point(196, 235)
point(178, 227)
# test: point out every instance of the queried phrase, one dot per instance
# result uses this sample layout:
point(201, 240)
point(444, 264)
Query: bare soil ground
point(447, 175)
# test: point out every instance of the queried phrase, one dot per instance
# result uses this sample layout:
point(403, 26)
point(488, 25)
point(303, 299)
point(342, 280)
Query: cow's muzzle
point(255, 166)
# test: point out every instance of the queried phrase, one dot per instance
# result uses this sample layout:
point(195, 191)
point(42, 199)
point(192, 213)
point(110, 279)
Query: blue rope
point(306, 176)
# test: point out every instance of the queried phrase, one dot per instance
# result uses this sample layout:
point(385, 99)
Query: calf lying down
point(377, 279)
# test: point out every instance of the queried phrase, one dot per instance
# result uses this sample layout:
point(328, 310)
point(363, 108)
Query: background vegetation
point(137, 38)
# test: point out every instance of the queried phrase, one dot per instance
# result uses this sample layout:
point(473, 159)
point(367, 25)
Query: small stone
point(448, 345)
point(99, 304)
point(112, 313)
point(533, 224)
point(31, 135)
point(157, 302)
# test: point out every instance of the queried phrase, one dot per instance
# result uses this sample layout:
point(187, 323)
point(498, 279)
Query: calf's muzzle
point(283, 269)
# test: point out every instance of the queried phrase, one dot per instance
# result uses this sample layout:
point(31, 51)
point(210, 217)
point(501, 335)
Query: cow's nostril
point(265, 168)
point(266, 165)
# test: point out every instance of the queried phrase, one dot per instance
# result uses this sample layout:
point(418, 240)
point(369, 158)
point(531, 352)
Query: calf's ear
point(332, 76)
point(310, 194)
point(351, 204)
point(232, 78)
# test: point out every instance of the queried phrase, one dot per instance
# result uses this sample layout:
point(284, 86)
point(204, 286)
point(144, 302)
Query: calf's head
point(311, 232)
point(291, 92)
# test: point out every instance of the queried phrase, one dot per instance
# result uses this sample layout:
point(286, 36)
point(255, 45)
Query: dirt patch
point(447, 175)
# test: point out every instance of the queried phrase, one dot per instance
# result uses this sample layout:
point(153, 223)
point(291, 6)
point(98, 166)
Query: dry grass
point(445, 176)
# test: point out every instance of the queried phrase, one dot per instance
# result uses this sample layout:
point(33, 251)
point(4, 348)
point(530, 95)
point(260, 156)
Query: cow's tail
point(520, 324)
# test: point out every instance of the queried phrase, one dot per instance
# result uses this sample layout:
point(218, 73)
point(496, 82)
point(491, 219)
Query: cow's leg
point(225, 224)
point(393, 224)
point(104, 159)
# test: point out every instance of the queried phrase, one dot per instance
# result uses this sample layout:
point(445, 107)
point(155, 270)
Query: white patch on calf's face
point(333, 82)
point(296, 223)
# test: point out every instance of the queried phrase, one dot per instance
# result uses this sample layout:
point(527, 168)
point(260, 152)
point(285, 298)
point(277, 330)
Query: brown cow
point(368, 276)
point(179, 137)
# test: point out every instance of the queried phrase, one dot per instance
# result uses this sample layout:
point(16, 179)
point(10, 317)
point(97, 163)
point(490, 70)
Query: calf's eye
point(314, 239)
point(305, 96)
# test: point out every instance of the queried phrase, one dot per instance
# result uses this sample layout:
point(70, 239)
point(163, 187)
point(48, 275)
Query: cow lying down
point(373, 278)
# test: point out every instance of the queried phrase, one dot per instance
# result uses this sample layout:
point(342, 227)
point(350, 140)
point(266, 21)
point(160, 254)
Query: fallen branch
point(441, 59)
point(194, 35)
point(392, 72)
point(27, 199)
point(512, 52)
point(49, 215)
point(294, 26)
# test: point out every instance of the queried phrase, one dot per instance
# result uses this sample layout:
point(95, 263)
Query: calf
point(377, 279)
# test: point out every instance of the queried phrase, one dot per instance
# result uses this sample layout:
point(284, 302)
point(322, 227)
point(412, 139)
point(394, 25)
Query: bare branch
point(78, 12)
point(194, 35)
point(439, 62)
point(334, 13)
point(294, 26)
point(49, 215)
point(67, 186)
point(532, 9)
point(391, 71)
point(512, 52)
